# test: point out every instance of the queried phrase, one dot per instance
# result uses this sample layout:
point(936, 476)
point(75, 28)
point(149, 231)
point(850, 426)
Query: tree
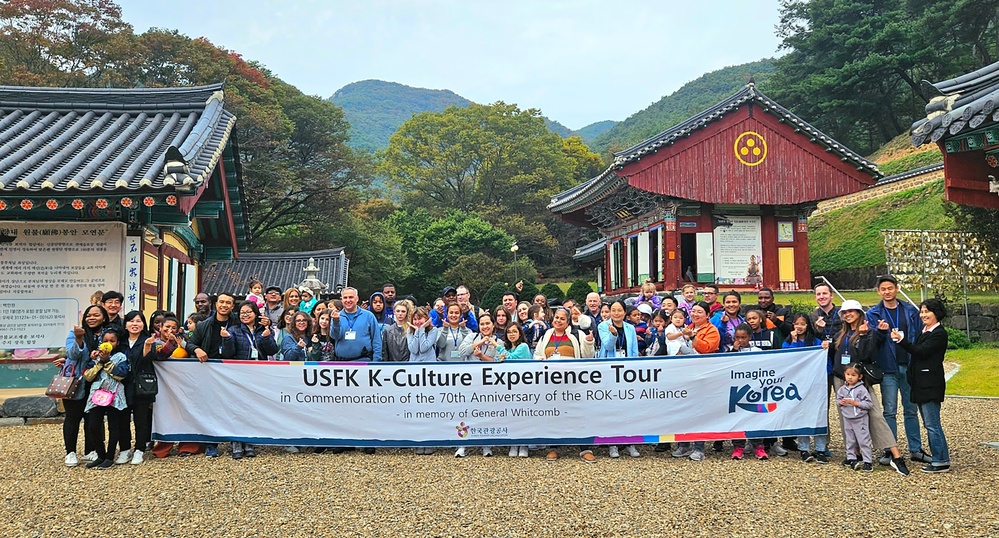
point(477, 271)
point(578, 291)
point(494, 295)
point(552, 291)
point(855, 66)
point(496, 160)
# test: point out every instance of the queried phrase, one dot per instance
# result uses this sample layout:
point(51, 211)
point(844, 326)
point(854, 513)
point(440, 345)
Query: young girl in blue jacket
point(105, 373)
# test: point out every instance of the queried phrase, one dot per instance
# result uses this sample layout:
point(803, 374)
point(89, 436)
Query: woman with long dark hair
point(136, 334)
point(81, 343)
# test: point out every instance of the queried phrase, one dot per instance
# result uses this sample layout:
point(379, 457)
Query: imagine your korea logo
point(764, 388)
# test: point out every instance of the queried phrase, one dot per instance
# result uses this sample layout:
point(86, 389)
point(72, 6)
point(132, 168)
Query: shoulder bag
point(63, 386)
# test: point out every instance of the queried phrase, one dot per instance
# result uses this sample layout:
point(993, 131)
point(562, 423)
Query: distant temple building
point(281, 269)
point(723, 198)
point(962, 117)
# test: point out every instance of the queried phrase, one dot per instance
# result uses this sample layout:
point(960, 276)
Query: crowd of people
point(115, 355)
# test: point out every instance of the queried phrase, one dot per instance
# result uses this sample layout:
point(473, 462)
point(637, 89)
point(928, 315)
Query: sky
point(578, 61)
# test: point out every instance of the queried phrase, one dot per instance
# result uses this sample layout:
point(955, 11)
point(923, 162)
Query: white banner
point(50, 270)
point(630, 401)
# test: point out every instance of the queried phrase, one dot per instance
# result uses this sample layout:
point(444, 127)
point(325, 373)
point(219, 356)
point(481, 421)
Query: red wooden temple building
point(722, 197)
point(962, 117)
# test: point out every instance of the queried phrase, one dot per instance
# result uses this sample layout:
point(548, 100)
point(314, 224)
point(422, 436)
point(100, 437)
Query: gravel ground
point(395, 492)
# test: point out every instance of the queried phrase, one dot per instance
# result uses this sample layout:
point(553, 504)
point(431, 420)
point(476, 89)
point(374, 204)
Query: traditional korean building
point(722, 197)
point(153, 173)
point(281, 269)
point(962, 117)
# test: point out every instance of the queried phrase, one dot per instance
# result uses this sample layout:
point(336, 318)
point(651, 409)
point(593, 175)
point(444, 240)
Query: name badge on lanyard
point(620, 354)
point(254, 354)
point(350, 335)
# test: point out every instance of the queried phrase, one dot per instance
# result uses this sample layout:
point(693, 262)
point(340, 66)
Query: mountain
point(594, 130)
point(376, 109)
point(693, 97)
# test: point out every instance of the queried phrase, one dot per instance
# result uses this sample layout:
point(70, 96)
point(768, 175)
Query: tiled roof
point(958, 104)
point(747, 94)
point(593, 189)
point(103, 140)
point(282, 269)
point(909, 174)
point(590, 251)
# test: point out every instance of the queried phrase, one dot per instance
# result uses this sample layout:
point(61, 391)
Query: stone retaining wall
point(831, 204)
point(983, 320)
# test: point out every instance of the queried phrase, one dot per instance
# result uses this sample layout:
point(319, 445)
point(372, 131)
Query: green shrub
point(529, 291)
point(578, 291)
point(552, 291)
point(493, 296)
point(957, 339)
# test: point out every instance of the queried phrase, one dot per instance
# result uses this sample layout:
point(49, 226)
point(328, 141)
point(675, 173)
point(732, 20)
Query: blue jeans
point(698, 445)
point(934, 432)
point(891, 385)
point(820, 443)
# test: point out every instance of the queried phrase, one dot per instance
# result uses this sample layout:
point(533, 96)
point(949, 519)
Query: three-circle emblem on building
point(750, 148)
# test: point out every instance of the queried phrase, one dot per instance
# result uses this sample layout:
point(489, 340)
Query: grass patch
point(910, 162)
point(871, 298)
point(851, 237)
point(979, 373)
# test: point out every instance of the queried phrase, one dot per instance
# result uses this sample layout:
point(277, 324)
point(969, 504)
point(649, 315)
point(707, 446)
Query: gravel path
point(395, 492)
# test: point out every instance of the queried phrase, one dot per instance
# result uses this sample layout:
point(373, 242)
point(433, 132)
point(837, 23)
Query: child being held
point(256, 293)
point(535, 329)
point(854, 402)
point(648, 296)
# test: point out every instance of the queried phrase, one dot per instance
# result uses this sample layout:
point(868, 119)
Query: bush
point(957, 339)
point(552, 291)
point(493, 296)
point(578, 291)
point(529, 291)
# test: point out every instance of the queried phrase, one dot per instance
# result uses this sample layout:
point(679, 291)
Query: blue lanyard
point(454, 334)
point(894, 322)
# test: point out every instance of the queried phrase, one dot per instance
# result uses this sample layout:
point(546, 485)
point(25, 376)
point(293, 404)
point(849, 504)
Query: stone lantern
point(312, 279)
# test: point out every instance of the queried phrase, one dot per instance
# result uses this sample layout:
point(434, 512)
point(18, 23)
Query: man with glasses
point(206, 341)
point(273, 307)
point(112, 302)
point(711, 297)
point(469, 312)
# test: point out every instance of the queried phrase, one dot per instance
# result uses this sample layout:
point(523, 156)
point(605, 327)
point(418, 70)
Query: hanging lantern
point(77, 204)
point(149, 201)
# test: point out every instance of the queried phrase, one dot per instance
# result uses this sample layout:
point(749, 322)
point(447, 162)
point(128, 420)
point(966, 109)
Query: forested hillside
point(594, 130)
point(375, 109)
point(690, 99)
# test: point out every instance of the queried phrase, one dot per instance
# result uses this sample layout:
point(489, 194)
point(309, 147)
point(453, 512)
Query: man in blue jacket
point(356, 331)
point(887, 315)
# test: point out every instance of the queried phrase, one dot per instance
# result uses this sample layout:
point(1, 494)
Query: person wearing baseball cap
point(273, 307)
point(857, 343)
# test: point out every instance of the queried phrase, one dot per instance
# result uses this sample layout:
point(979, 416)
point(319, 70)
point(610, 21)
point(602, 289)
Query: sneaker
point(612, 452)
point(761, 453)
point(237, 454)
point(419, 451)
point(807, 456)
point(588, 456)
point(369, 450)
point(738, 452)
point(250, 451)
point(779, 450)
point(522, 453)
point(866, 468)
point(487, 451)
point(663, 447)
point(858, 465)
point(90, 457)
point(899, 465)
point(96, 463)
point(123, 457)
point(460, 453)
point(513, 452)
point(106, 464)
point(717, 446)
point(849, 463)
point(935, 468)
point(211, 451)
point(136, 457)
point(632, 451)
point(921, 456)
point(821, 457)
point(71, 460)
point(697, 455)
point(682, 451)
point(886, 459)
point(552, 455)
point(291, 449)
point(428, 451)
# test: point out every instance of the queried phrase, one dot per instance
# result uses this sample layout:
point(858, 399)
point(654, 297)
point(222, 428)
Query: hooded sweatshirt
point(382, 318)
